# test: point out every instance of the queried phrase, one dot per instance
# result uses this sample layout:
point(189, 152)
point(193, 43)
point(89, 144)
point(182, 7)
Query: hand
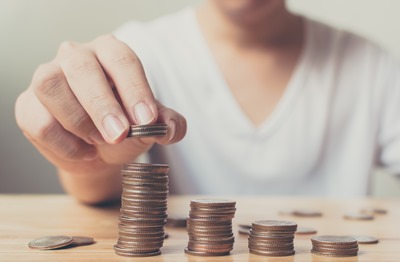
point(79, 106)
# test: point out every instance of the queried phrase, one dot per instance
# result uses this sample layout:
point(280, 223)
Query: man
point(275, 104)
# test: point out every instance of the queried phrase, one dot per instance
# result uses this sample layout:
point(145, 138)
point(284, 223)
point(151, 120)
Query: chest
point(257, 79)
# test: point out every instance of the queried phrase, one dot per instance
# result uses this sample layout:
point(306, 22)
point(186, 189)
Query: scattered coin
point(361, 239)
point(143, 210)
point(286, 212)
point(82, 241)
point(148, 130)
point(247, 226)
point(306, 213)
point(209, 227)
point(50, 242)
point(176, 221)
point(244, 229)
point(303, 212)
point(374, 211)
point(305, 231)
point(272, 238)
point(358, 216)
point(334, 246)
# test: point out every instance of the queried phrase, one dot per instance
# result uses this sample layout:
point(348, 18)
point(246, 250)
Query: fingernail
point(90, 155)
point(113, 127)
point(172, 130)
point(96, 137)
point(143, 113)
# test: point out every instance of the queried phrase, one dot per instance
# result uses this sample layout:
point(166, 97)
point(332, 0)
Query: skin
point(85, 98)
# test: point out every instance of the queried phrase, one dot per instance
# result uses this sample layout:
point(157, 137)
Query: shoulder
point(157, 32)
point(345, 47)
point(350, 57)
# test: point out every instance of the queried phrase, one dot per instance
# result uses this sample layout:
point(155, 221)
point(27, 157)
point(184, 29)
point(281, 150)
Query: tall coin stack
point(209, 227)
point(143, 203)
point(272, 238)
point(334, 246)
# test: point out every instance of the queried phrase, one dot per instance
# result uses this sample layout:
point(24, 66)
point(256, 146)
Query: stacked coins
point(334, 246)
point(143, 209)
point(272, 238)
point(209, 227)
point(148, 130)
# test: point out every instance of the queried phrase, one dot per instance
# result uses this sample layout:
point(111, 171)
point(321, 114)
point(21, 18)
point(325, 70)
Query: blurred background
point(30, 32)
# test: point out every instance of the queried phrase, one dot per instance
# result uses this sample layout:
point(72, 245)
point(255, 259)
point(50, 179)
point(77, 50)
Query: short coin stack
point(143, 209)
point(334, 246)
point(209, 227)
point(272, 238)
point(159, 129)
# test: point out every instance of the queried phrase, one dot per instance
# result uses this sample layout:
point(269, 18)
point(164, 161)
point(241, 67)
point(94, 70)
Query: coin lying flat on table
point(50, 242)
point(55, 242)
point(305, 231)
point(361, 239)
point(306, 213)
point(301, 212)
point(148, 130)
point(82, 241)
point(374, 210)
point(358, 216)
point(244, 229)
point(286, 212)
point(176, 221)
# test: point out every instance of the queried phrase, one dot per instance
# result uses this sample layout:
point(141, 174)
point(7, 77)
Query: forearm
point(93, 188)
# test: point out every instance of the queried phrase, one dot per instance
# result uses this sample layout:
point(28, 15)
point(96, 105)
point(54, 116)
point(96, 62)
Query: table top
point(26, 217)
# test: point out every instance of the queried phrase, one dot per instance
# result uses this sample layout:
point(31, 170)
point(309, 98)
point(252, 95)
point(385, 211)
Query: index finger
point(122, 65)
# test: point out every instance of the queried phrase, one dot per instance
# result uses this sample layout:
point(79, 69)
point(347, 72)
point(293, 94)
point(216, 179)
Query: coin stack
point(159, 129)
point(143, 210)
point(209, 227)
point(272, 238)
point(334, 246)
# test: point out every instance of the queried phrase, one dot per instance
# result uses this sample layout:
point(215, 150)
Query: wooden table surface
point(26, 217)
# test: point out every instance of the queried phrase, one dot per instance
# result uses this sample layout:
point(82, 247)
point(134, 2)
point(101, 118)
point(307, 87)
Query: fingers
point(47, 132)
point(176, 125)
point(88, 94)
point(87, 81)
point(125, 69)
point(52, 90)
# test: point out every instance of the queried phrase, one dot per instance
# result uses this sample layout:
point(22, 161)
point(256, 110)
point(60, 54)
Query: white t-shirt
point(338, 118)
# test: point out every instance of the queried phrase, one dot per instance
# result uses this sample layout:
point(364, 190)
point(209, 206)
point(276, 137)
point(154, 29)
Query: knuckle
point(82, 66)
point(125, 58)
point(72, 150)
point(45, 79)
point(66, 46)
point(105, 37)
point(79, 121)
point(98, 101)
point(44, 129)
point(19, 105)
point(135, 91)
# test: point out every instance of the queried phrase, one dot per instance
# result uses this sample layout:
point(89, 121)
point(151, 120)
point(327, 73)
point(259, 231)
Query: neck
point(279, 29)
